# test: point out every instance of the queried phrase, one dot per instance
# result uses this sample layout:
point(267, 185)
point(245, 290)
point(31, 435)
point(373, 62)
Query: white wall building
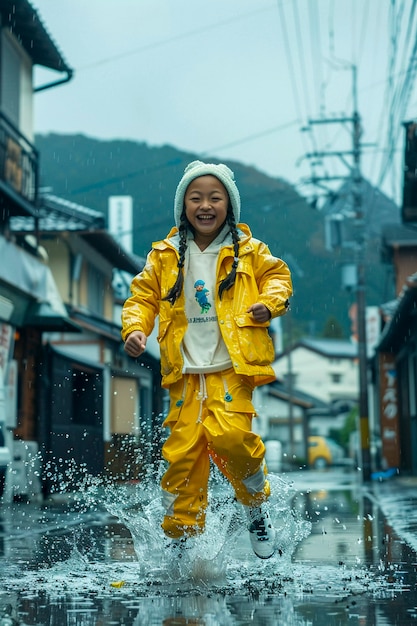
point(324, 368)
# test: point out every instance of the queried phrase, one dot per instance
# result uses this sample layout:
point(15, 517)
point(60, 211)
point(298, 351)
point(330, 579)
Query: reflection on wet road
point(98, 558)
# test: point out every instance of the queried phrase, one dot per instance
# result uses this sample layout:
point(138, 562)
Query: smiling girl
point(212, 356)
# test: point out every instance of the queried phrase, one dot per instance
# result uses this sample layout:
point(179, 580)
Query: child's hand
point(135, 343)
point(259, 312)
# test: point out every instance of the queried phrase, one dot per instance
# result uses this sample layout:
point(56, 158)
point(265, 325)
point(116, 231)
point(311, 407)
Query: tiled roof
point(20, 17)
point(331, 347)
point(400, 314)
point(57, 215)
point(280, 389)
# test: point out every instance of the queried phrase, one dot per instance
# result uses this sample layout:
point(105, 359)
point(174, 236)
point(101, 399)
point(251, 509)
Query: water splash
point(222, 553)
point(129, 549)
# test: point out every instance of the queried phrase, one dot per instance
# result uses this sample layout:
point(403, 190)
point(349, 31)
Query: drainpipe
point(55, 83)
point(106, 405)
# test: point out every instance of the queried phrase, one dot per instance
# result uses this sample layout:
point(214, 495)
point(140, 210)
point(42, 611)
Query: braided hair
point(227, 282)
point(176, 288)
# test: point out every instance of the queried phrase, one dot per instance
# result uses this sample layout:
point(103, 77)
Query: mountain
point(87, 171)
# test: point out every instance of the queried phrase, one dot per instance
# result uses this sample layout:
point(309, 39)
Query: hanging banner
point(11, 395)
point(389, 411)
point(5, 349)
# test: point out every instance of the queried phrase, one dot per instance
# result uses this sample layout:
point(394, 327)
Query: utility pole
point(290, 388)
point(361, 292)
point(360, 243)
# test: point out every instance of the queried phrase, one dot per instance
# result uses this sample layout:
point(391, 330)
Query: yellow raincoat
point(211, 415)
point(261, 277)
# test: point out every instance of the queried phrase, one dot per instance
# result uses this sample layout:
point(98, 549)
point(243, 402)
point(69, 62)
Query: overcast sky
point(238, 79)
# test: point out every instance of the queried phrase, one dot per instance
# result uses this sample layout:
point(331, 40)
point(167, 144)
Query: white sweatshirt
point(203, 346)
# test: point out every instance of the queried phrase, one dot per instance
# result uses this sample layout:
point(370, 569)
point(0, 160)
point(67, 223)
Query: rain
point(311, 104)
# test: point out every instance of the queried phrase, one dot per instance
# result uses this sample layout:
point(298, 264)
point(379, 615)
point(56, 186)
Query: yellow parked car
point(323, 452)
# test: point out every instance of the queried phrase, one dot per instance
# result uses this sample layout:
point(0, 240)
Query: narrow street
point(98, 558)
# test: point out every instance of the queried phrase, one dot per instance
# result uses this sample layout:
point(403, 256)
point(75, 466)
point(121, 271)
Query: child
point(215, 289)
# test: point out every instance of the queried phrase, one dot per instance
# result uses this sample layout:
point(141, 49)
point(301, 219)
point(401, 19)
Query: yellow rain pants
point(210, 417)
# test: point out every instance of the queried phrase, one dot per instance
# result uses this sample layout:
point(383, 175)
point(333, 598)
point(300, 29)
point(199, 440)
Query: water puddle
point(99, 557)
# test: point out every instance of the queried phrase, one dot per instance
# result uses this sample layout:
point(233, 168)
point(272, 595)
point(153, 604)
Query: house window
point(95, 291)
point(10, 80)
point(86, 397)
point(336, 378)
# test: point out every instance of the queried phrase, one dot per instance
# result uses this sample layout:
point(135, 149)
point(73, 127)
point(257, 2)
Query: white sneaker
point(261, 532)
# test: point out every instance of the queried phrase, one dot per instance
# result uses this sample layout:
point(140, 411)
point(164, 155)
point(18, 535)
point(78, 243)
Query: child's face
point(206, 201)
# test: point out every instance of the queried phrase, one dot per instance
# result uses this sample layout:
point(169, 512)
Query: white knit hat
point(198, 168)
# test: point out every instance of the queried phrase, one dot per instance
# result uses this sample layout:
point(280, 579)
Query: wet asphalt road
point(98, 559)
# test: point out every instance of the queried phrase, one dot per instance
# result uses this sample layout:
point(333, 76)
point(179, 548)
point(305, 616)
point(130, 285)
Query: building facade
point(73, 404)
point(396, 361)
point(323, 368)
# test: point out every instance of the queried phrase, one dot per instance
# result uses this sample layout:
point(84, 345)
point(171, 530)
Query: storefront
point(397, 383)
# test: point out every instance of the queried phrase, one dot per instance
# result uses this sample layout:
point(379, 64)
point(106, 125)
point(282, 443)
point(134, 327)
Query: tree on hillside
point(88, 171)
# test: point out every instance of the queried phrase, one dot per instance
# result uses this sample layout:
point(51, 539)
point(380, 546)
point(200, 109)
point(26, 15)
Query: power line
point(288, 53)
point(315, 44)
point(301, 55)
point(173, 39)
point(100, 184)
point(359, 247)
point(363, 32)
point(284, 31)
point(177, 161)
point(253, 137)
point(398, 106)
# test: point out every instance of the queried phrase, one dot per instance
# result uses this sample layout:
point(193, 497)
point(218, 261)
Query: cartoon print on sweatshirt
point(201, 294)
